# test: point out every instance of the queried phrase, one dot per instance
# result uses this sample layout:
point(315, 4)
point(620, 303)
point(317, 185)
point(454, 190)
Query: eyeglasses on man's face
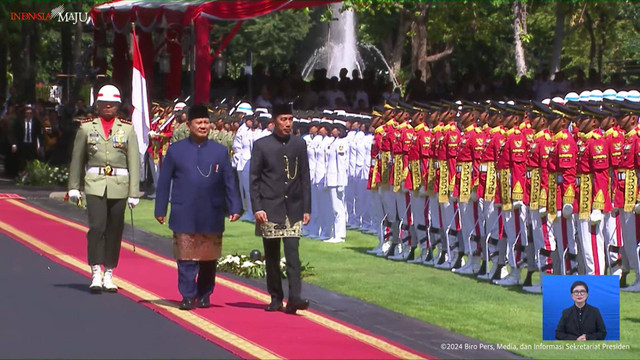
point(579, 292)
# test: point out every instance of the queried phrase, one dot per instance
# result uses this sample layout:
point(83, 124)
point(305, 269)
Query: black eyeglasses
point(579, 292)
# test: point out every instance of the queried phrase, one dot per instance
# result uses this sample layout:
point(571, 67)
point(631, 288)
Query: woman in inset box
point(581, 321)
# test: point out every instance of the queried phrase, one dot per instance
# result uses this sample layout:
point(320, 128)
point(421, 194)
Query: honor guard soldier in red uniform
point(615, 139)
point(403, 137)
point(419, 199)
point(593, 195)
point(433, 183)
point(446, 154)
point(387, 178)
point(511, 167)
point(467, 163)
point(626, 193)
point(538, 185)
point(562, 188)
point(488, 190)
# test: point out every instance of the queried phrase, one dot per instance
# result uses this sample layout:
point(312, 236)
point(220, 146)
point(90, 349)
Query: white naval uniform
point(363, 199)
point(325, 218)
point(242, 146)
point(312, 227)
point(336, 181)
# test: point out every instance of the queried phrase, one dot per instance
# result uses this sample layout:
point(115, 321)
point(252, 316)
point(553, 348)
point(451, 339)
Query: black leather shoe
point(203, 302)
point(274, 306)
point(295, 305)
point(187, 304)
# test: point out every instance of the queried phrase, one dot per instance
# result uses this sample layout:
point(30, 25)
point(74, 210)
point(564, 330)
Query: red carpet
point(236, 312)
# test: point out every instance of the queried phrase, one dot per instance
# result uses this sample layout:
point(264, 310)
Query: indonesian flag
point(140, 114)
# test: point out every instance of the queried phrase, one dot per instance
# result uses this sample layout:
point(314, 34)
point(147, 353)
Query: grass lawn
point(462, 304)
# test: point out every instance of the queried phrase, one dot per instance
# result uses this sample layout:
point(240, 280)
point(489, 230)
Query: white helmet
point(609, 94)
point(109, 93)
point(595, 95)
point(633, 96)
point(572, 96)
point(546, 101)
point(244, 108)
point(621, 95)
point(584, 96)
point(179, 106)
point(558, 100)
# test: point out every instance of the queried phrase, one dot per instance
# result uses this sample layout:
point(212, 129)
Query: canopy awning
point(150, 16)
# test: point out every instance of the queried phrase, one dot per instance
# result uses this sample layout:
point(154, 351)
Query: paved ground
point(48, 291)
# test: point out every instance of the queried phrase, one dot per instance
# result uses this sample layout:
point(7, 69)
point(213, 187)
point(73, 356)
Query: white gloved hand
point(636, 209)
point(542, 211)
point(74, 195)
point(595, 217)
point(132, 202)
point(517, 205)
point(340, 188)
point(474, 196)
point(152, 133)
point(567, 211)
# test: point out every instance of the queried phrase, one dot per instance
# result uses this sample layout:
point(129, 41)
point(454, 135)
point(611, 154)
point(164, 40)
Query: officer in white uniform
point(325, 220)
point(337, 179)
point(242, 146)
point(313, 149)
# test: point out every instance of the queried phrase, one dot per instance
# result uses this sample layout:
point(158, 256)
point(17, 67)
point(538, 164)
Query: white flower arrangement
point(242, 265)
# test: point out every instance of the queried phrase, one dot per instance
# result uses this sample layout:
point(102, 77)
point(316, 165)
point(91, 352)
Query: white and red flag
point(140, 113)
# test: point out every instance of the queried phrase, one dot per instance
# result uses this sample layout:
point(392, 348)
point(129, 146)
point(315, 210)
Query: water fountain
point(343, 51)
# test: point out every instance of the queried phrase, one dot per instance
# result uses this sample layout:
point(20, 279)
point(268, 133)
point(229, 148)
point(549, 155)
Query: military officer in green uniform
point(181, 129)
point(106, 151)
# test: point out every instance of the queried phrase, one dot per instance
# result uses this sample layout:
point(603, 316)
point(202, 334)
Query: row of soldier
point(547, 186)
point(469, 184)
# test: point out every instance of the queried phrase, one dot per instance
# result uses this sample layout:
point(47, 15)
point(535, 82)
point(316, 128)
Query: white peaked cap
point(595, 95)
point(572, 96)
point(546, 101)
point(179, 106)
point(633, 96)
point(584, 96)
point(558, 100)
point(609, 94)
point(621, 95)
point(244, 108)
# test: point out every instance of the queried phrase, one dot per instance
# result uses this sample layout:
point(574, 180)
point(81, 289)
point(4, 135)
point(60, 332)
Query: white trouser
point(516, 232)
point(564, 233)
point(542, 237)
point(404, 211)
point(612, 233)
point(349, 200)
point(433, 213)
point(363, 204)
point(469, 225)
point(592, 245)
point(313, 226)
point(494, 227)
point(628, 222)
point(450, 218)
point(339, 212)
point(418, 204)
point(325, 216)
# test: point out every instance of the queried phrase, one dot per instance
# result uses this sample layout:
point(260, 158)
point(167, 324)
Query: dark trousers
point(106, 223)
point(272, 259)
point(201, 288)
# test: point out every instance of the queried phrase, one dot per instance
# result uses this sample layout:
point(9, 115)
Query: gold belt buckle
point(108, 170)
